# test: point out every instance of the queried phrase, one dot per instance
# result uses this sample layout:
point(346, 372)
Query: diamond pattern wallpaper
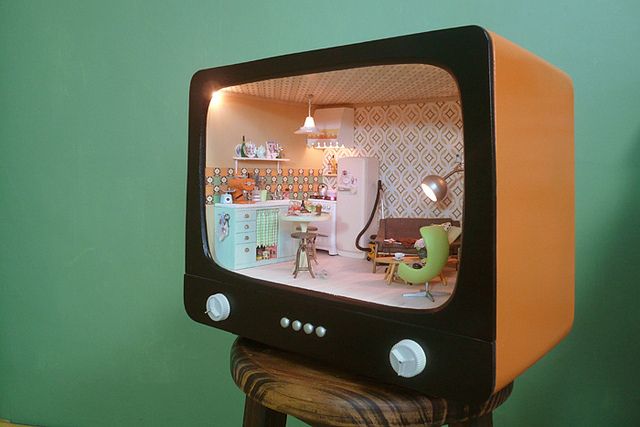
point(410, 142)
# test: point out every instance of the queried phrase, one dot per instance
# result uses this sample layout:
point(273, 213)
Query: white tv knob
point(407, 358)
point(218, 307)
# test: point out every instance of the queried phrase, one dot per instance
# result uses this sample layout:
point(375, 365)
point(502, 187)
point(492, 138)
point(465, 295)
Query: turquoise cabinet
point(239, 235)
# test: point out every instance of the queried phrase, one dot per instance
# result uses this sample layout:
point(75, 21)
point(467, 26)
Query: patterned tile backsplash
point(300, 182)
point(410, 142)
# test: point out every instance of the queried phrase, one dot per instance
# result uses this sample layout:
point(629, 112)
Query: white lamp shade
point(308, 127)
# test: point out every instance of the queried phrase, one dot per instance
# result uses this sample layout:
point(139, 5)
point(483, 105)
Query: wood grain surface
point(319, 395)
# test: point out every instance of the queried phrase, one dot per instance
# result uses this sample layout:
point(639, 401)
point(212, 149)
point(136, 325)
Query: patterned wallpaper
point(410, 142)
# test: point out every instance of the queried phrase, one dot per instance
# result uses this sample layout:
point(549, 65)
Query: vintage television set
point(514, 293)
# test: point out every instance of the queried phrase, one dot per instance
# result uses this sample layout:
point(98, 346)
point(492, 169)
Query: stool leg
point(256, 415)
point(484, 421)
point(309, 261)
point(297, 268)
point(313, 250)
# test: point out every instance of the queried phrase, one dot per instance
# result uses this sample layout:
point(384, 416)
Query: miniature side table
point(277, 384)
point(304, 220)
point(392, 264)
point(392, 269)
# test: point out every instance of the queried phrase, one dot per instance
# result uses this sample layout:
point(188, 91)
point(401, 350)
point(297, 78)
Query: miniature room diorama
point(399, 208)
point(292, 175)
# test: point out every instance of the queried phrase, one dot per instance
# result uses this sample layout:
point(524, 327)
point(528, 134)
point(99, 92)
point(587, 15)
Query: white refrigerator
point(357, 184)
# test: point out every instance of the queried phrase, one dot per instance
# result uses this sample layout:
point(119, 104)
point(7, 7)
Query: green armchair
point(437, 245)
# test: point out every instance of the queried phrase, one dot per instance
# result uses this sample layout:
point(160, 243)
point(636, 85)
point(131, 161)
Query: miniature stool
point(303, 252)
point(278, 383)
point(312, 241)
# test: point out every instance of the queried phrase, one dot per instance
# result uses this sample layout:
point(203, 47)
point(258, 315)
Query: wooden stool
point(312, 241)
point(303, 251)
point(277, 383)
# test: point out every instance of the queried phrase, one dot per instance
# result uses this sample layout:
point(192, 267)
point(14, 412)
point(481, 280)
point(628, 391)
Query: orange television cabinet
point(514, 289)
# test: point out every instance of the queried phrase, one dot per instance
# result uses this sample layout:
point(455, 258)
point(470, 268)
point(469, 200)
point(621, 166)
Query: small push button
point(285, 322)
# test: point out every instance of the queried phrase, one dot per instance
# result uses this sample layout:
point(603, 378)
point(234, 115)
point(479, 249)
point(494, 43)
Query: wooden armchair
point(404, 232)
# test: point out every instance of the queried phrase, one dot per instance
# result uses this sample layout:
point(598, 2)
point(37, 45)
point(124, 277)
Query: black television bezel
point(459, 337)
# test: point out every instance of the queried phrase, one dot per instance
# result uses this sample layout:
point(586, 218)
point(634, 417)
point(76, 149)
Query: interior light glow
point(429, 192)
point(216, 98)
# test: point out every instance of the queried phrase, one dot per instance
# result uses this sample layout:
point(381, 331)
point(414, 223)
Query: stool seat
point(277, 383)
point(302, 235)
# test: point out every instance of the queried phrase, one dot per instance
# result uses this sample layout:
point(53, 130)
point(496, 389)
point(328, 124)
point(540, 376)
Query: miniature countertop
point(268, 203)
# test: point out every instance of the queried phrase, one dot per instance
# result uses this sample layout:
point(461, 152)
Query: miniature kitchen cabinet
point(240, 241)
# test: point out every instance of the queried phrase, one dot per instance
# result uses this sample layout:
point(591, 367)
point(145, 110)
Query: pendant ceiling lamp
point(309, 125)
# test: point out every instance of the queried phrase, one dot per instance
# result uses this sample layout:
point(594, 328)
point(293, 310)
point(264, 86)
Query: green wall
point(93, 131)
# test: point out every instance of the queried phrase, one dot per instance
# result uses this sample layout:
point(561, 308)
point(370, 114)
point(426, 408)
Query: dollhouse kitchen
point(333, 182)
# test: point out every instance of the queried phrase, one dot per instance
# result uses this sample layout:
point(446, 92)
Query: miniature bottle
point(333, 165)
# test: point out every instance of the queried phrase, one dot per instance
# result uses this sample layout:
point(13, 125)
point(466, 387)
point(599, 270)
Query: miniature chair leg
point(256, 415)
point(426, 293)
point(375, 256)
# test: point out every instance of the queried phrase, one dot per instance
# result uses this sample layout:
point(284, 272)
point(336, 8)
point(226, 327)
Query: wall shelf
point(258, 159)
point(324, 143)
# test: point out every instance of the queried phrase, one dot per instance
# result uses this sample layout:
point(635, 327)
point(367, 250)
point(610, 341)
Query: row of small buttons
point(308, 328)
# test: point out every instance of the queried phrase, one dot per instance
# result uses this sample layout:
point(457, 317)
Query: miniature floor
point(352, 278)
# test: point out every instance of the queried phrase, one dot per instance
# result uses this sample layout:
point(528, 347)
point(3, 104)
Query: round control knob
point(296, 325)
point(308, 328)
point(407, 358)
point(284, 322)
point(321, 331)
point(218, 307)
